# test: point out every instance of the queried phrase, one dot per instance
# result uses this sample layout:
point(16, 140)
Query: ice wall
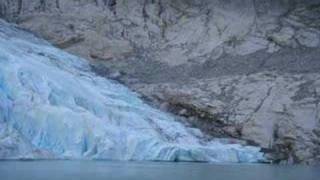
point(50, 102)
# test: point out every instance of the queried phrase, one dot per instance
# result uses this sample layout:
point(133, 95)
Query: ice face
point(51, 102)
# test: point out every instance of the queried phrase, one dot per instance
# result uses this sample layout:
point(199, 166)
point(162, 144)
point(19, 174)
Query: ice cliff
point(52, 106)
point(245, 69)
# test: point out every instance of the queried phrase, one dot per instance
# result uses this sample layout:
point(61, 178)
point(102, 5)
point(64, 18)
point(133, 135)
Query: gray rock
point(308, 38)
point(277, 112)
point(284, 37)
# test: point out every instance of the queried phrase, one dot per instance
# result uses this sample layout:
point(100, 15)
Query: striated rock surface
point(279, 112)
point(245, 69)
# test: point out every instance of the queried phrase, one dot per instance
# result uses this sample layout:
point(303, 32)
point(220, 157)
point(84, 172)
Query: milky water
point(102, 170)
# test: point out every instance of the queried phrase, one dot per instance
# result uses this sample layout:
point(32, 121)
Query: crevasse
point(52, 106)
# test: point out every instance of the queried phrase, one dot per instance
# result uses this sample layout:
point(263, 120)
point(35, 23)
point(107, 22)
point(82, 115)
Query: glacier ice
point(52, 106)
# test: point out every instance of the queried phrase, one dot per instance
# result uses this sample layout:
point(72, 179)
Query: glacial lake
point(104, 170)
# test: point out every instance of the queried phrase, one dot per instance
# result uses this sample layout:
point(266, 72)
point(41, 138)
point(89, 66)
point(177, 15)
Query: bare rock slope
point(246, 69)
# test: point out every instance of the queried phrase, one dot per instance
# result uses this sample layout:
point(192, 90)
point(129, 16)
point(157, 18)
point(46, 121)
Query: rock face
point(52, 106)
point(279, 112)
point(245, 69)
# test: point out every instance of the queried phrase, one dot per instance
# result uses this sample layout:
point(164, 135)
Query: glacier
point(53, 107)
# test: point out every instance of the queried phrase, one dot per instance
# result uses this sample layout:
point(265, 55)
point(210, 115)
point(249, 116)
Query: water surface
point(98, 170)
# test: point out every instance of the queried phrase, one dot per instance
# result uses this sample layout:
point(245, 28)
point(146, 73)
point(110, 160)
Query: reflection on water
point(96, 170)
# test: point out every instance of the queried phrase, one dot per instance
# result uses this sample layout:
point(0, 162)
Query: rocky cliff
point(245, 69)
